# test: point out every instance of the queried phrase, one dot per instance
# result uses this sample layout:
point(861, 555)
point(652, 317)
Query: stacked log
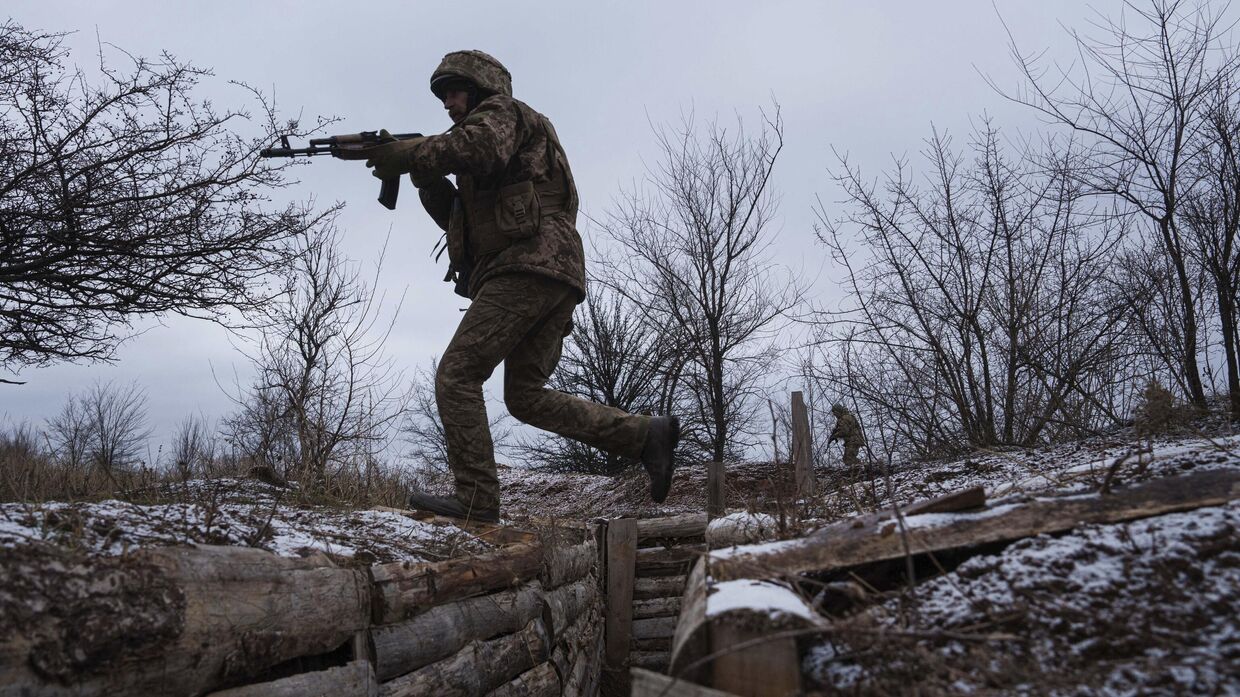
point(666, 550)
point(236, 622)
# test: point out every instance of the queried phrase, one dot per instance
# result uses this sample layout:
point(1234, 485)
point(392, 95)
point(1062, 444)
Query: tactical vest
point(488, 220)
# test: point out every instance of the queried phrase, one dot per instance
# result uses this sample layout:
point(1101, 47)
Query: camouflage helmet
point(480, 68)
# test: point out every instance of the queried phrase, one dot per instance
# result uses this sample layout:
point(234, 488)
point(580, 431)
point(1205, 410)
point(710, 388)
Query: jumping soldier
point(514, 250)
point(848, 430)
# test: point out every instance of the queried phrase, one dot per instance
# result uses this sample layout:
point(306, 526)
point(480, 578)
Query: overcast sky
point(868, 78)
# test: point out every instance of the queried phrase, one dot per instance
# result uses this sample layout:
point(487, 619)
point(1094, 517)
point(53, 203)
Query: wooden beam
point(716, 490)
point(402, 588)
point(768, 668)
point(803, 467)
point(843, 545)
point(539, 681)
point(647, 683)
point(654, 628)
point(658, 587)
point(667, 561)
point(656, 607)
point(621, 557)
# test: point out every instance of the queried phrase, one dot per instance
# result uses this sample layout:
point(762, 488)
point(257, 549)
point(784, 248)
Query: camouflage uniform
point(514, 250)
point(848, 430)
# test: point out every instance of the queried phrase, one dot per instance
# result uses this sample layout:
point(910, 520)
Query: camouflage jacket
point(514, 205)
point(848, 430)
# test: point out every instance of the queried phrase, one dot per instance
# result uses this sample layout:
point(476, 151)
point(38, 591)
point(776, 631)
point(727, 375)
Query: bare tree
point(979, 319)
point(1140, 97)
point(193, 447)
point(124, 196)
point(692, 251)
point(613, 356)
point(321, 367)
point(104, 428)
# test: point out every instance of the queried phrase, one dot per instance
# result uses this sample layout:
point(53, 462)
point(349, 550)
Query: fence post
point(716, 490)
point(801, 447)
point(621, 565)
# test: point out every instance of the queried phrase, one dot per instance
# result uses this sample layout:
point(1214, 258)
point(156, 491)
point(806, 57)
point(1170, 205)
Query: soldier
point(514, 250)
point(848, 430)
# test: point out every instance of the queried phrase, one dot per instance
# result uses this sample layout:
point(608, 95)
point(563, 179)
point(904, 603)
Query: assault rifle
point(354, 146)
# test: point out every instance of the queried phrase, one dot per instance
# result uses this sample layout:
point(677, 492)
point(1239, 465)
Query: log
point(650, 660)
point(443, 630)
point(667, 561)
point(539, 681)
point(656, 607)
point(402, 588)
point(842, 546)
point(654, 628)
point(716, 490)
point(565, 564)
point(803, 468)
point(573, 652)
point(168, 621)
point(647, 683)
point(715, 617)
point(566, 605)
point(478, 668)
point(671, 527)
point(767, 667)
point(658, 587)
point(963, 500)
point(356, 678)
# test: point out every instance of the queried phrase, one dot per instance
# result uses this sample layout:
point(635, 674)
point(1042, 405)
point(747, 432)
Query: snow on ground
point(232, 512)
point(1147, 607)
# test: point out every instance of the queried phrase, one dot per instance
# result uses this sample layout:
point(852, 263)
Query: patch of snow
point(767, 597)
point(741, 528)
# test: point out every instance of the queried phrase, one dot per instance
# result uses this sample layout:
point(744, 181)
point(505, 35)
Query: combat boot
point(450, 507)
point(659, 454)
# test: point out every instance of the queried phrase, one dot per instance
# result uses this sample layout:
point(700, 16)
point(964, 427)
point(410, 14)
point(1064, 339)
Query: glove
point(391, 159)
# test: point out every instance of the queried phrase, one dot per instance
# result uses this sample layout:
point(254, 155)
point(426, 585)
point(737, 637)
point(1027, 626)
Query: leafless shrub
point(691, 252)
point(123, 196)
point(104, 428)
point(977, 317)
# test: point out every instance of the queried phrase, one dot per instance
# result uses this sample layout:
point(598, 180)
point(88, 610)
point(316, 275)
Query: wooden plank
point(656, 607)
point(403, 588)
point(843, 545)
point(667, 561)
point(658, 587)
point(650, 660)
point(654, 628)
point(168, 620)
point(684, 525)
point(478, 668)
point(803, 467)
point(659, 644)
point(963, 500)
point(621, 556)
point(647, 683)
point(716, 490)
point(356, 678)
point(768, 668)
point(443, 630)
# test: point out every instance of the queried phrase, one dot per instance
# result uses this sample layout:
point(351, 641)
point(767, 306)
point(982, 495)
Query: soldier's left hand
point(392, 159)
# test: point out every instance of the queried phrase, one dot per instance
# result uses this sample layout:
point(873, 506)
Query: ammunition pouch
point(512, 213)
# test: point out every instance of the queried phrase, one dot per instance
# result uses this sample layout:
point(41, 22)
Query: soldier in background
point(513, 249)
point(848, 430)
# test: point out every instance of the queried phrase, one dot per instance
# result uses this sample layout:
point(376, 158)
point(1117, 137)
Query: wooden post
point(621, 564)
point(801, 447)
point(716, 490)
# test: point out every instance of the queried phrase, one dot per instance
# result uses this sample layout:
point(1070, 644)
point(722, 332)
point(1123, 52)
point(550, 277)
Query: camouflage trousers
point(850, 453)
point(521, 320)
